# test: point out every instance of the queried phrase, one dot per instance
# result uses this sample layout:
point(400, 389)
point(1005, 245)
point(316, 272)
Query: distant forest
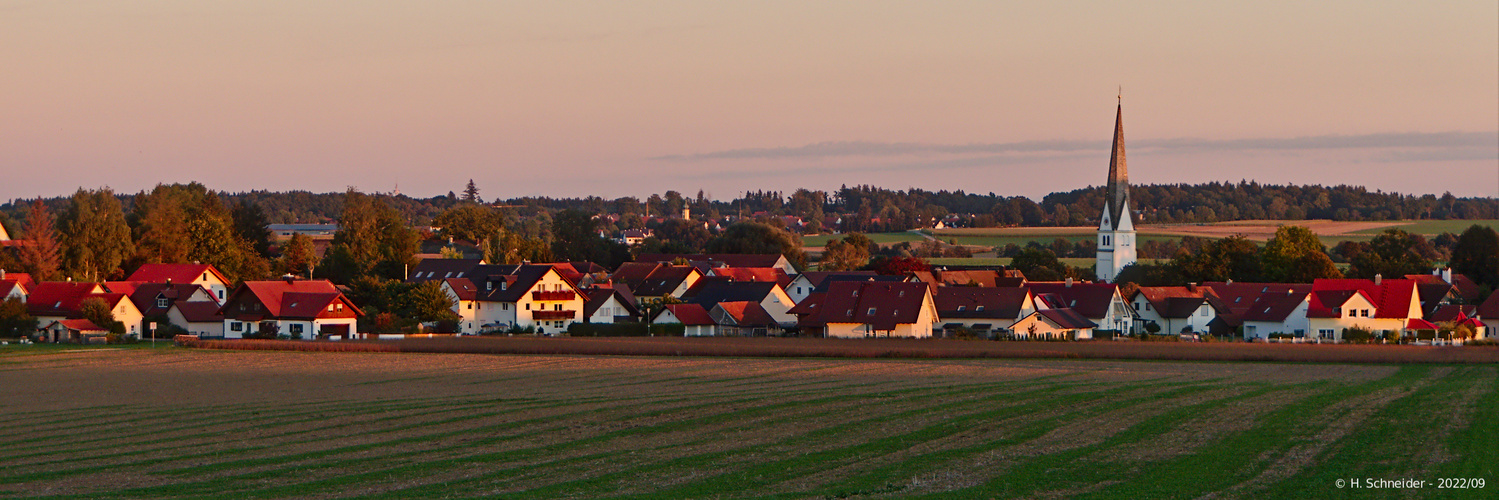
point(873, 209)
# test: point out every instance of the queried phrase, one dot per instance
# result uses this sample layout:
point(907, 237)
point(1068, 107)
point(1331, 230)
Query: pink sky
point(630, 98)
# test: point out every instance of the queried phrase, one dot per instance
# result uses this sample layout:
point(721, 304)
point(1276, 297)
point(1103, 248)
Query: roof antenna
point(1121, 95)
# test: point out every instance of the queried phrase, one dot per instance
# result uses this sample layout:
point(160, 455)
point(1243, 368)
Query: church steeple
point(1117, 195)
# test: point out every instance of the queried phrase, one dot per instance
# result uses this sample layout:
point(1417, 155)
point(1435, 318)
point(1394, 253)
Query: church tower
point(1116, 230)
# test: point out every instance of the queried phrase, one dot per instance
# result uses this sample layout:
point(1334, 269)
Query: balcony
point(552, 315)
point(562, 295)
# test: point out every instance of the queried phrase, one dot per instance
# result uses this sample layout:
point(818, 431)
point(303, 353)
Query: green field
point(1005, 261)
point(822, 239)
point(1436, 227)
point(187, 423)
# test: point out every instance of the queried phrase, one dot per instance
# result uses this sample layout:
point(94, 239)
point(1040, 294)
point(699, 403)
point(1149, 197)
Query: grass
point(1004, 261)
point(1435, 227)
point(822, 239)
point(196, 423)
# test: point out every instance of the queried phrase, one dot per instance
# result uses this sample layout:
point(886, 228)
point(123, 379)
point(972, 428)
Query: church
point(1116, 227)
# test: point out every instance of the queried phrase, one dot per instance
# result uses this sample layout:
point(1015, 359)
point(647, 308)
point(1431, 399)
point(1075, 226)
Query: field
point(170, 422)
point(881, 238)
point(1082, 262)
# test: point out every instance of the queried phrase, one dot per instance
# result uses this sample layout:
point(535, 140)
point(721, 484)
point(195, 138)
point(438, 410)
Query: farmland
point(140, 423)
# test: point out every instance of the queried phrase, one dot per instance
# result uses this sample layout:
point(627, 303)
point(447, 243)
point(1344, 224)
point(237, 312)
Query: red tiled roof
point(1452, 312)
point(746, 313)
point(199, 312)
point(23, 278)
point(1391, 298)
point(759, 274)
point(1240, 298)
point(815, 278)
point(1275, 306)
point(1419, 324)
point(1092, 300)
point(294, 299)
point(691, 314)
point(1067, 318)
point(6, 286)
point(1490, 308)
point(144, 294)
point(82, 325)
point(463, 287)
point(58, 298)
point(882, 305)
point(980, 302)
point(176, 273)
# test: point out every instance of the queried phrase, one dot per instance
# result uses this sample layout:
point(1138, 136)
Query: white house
point(196, 274)
point(695, 319)
point(307, 309)
point(527, 296)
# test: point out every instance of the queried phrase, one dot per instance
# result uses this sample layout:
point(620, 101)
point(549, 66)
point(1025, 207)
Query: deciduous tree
point(94, 235)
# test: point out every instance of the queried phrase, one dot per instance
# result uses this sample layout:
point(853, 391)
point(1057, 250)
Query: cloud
point(1448, 142)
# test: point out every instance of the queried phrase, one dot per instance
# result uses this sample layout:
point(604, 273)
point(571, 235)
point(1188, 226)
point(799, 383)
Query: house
point(652, 282)
point(723, 260)
point(769, 295)
point(12, 289)
point(525, 296)
point(859, 309)
point(1053, 324)
point(465, 302)
point(802, 285)
point(196, 274)
point(442, 269)
point(201, 318)
point(155, 300)
point(1181, 309)
point(59, 300)
point(1099, 302)
point(983, 309)
point(765, 274)
point(1488, 313)
point(1379, 305)
point(610, 304)
point(77, 331)
point(744, 319)
point(1466, 288)
point(304, 309)
point(632, 237)
point(1278, 312)
point(695, 320)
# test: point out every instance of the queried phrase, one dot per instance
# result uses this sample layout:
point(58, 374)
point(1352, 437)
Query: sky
point(563, 98)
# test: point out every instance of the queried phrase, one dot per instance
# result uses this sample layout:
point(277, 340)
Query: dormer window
point(871, 311)
point(161, 302)
point(488, 285)
point(979, 308)
point(961, 308)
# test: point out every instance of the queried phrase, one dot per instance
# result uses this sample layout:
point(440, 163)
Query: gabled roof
point(663, 281)
point(726, 259)
point(1391, 298)
point(1274, 306)
point(1465, 286)
point(743, 313)
point(1451, 312)
point(1240, 298)
point(1092, 300)
point(980, 302)
point(464, 287)
point(6, 286)
point(1180, 301)
point(1490, 308)
point(58, 298)
point(81, 325)
point(1432, 294)
point(174, 273)
point(815, 278)
point(733, 291)
point(293, 298)
point(842, 278)
point(632, 274)
point(594, 298)
point(125, 287)
point(882, 305)
point(766, 274)
point(1067, 318)
point(199, 312)
point(690, 314)
point(22, 278)
point(1419, 324)
point(144, 295)
point(517, 283)
point(438, 269)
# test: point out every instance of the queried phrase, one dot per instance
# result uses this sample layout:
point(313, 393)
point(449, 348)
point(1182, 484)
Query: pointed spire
point(1118, 187)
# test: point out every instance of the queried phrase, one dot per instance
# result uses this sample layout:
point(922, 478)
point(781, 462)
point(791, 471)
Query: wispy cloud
point(1440, 145)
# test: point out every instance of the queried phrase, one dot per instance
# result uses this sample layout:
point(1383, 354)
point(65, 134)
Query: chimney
point(1230, 281)
point(1378, 278)
point(1191, 287)
point(1447, 274)
point(169, 281)
point(289, 278)
point(2, 274)
point(1069, 282)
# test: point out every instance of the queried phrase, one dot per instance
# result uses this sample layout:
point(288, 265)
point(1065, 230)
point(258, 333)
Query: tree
point(1394, 253)
point(758, 238)
point(575, 237)
point(372, 238)
point(471, 193)
point(470, 222)
point(94, 235)
point(427, 302)
point(1295, 255)
point(298, 256)
point(1233, 258)
point(14, 320)
point(1476, 255)
point(250, 225)
point(99, 312)
point(41, 253)
point(848, 253)
point(1036, 262)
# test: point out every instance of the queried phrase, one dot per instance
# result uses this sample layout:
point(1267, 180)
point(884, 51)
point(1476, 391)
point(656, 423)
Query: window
point(205, 276)
point(1147, 306)
point(979, 308)
point(1366, 313)
point(470, 305)
point(340, 306)
point(1204, 311)
point(505, 306)
point(556, 307)
point(296, 328)
point(528, 307)
point(871, 311)
point(161, 302)
point(330, 307)
point(798, 290)
point(221, 295)
point(960, 308)
point(235, 326)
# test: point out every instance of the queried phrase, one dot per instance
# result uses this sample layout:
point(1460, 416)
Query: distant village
point(201, 269)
